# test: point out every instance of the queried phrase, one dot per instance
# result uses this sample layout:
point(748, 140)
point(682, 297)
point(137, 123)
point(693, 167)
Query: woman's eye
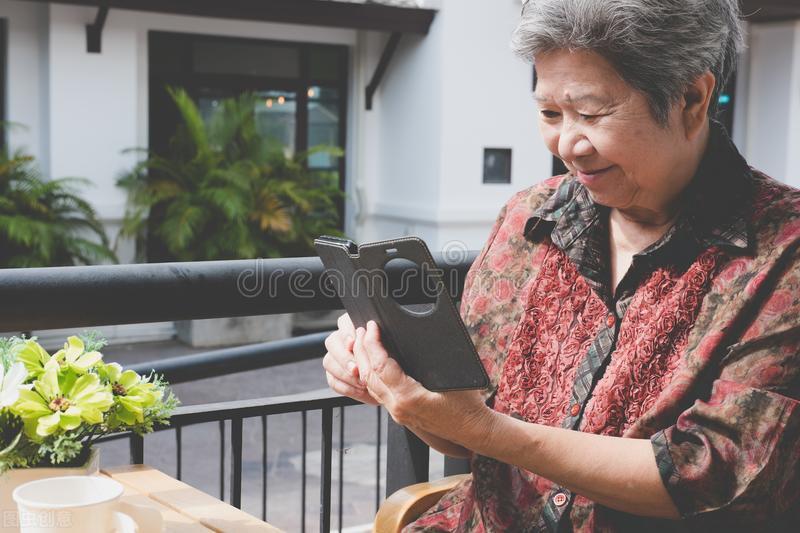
point(550, 114)
point(589, 117)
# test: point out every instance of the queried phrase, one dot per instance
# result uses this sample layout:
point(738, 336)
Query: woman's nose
point(573, 145)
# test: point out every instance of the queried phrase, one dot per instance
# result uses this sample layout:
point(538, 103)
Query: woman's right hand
point(343, 377)
point(340, 365)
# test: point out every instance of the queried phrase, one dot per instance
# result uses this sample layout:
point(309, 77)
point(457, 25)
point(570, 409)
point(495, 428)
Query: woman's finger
point(378, 356)
point(381, 363)
point(333, 367)
point(340, 346)
point(372, 378)
point(345, 325)
point(345, 389)
point(362, 360)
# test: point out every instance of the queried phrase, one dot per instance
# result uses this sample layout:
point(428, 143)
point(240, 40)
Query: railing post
point(222, 459)
point(236, 462)
point(325, 474)
point(304, 417)
point(378, 460)
point(407, 458)
point(137, 449)
point(341, 466)
point(179, 452)
point(264, 464)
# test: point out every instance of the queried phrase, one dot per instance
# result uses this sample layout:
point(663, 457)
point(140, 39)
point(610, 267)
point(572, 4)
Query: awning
point(397, 17)
point(391, 16)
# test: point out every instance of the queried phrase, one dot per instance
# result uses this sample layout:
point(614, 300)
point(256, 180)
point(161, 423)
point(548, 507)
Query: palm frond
point(192, 120)
point(39, 218)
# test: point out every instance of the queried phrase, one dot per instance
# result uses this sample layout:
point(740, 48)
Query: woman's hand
point(340, 365)
point(459, 417)
point(616, 472)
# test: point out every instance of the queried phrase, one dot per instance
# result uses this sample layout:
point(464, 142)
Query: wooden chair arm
point(408, 503)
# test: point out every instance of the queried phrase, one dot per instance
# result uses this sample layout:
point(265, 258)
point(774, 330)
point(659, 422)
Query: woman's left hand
point(458, 416)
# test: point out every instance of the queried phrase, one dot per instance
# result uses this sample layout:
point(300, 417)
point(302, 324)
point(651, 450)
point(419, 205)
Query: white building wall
point(93, 104)
point(445, 98)
point(773, 101)
point(487, 103)
point(363, 143)
point(402, 156)
point(27, 78)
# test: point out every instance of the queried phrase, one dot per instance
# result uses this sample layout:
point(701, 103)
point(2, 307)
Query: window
point(497, 165)
point(302, 88)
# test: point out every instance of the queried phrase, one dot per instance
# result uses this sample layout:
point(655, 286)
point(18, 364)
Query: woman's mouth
point(591, 177)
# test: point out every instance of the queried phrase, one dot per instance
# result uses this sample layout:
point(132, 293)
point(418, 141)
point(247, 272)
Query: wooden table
point(183, 508)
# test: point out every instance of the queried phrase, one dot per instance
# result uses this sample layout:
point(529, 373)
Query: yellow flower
point(132, 394)
point(52, 405)
point(75, 356)
point(34, 357)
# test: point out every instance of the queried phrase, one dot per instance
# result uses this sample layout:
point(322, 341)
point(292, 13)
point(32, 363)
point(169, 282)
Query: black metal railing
point(235, 413)
point(64, 297)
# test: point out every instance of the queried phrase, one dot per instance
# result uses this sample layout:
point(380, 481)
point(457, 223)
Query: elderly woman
point(639, 317)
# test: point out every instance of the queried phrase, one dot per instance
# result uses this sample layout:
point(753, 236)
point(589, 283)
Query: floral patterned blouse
point(697, 350)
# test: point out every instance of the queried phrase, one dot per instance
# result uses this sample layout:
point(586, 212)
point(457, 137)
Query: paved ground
point(201, 444)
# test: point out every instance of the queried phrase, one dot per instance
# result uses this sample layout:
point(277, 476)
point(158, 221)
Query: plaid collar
point(714, 213)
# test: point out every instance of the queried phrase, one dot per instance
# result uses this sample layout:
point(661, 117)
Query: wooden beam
point(378, 17)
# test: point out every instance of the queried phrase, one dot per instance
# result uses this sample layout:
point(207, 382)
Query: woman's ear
point(696, 101)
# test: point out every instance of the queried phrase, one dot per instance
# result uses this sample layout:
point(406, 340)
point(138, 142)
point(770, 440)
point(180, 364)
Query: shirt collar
point(714, 204)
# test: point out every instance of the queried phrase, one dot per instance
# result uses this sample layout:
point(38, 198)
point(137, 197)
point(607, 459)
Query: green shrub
point(224, 191)
point(46, 222)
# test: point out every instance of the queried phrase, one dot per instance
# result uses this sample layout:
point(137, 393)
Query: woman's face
point(605, 133)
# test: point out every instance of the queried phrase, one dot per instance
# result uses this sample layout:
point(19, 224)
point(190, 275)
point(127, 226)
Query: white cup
point(74, 504)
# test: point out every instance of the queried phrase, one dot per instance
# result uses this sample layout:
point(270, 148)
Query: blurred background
point(196, 130)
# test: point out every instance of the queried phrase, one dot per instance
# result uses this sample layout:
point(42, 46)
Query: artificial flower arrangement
point(53, 407)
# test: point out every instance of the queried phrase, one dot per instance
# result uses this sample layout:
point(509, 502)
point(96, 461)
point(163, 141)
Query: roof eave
point(378, 17)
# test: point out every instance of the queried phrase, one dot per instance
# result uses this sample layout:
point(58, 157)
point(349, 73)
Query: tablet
point(429, 341)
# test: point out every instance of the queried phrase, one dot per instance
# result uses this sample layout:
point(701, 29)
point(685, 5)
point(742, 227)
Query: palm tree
point(225, 192)
point(46, 222)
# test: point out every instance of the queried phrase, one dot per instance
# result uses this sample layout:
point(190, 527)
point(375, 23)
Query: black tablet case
point(433, 347)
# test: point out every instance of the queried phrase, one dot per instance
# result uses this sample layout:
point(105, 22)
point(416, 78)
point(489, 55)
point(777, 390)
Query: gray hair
point(659, 47)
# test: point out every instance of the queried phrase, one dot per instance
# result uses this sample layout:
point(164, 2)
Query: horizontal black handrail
point(210, 412)
point(187, 415)
point(62, 297)
point(226, 361)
